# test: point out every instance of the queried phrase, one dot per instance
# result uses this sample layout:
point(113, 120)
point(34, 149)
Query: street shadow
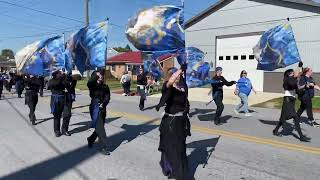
point(130, 133)
point(86, 125)
point(201, 111)
point(287, 128)
point(201, 154)
point(267, 122)
point(151, 107)
point(211, 116)
point(54, 167)
point(82, 106)
point(39, 121)
point(305, 120)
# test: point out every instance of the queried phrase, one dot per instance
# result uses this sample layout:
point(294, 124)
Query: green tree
point(7, 54)
point(123, 49)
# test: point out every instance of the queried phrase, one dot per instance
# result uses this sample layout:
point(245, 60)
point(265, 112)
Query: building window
point(243, 57)
point(220, 58)
point(251, 57)
point(129, 68)
point(228, 58)
point(235, 58)
point(113, 68)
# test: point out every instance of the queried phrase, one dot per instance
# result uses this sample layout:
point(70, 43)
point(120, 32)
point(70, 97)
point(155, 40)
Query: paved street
point(241, 149)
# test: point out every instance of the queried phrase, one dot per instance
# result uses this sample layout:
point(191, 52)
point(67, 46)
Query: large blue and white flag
point(157, 29)
point(198, 69)
point(42, 57)
point(88, 47)
point(276, 49)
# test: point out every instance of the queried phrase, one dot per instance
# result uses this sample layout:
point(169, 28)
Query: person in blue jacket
point(243, 90)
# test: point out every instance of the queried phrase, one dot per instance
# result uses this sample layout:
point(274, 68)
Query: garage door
point(235, 54)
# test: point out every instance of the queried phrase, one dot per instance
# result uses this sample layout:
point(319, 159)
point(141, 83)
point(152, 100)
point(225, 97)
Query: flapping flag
point(42, 58)
point(157, 29)
point(198, 69)
point(277, 48)
point(152, 66)
point(88, 47)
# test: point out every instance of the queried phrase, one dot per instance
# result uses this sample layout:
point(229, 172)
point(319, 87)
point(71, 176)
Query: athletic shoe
point(248, 114)
point(315, 124)
point(236, 111)
point(90, 143)
point(124, 94)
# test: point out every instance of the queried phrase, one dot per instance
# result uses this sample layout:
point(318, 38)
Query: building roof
point(221, 3)
point(134, 57)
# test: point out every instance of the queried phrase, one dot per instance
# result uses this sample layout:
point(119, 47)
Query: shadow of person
point(202, 151)
point(305, 120)
point(86, 125)
point(287, 128)
point(151, 107)
point(39, 121)
point(130, 133)
point(206, 117)
point(79, 107)
point(201, 111)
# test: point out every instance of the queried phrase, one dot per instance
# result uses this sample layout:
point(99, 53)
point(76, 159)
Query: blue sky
point(19, 22)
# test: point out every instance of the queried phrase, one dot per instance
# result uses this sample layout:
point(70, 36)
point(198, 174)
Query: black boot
point(90, 143)
point(217, 121)
point(275, 131)
point(304, 138)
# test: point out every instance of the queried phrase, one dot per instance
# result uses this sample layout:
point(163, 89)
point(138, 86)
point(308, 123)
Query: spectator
point(126, 83)
point(243, 90)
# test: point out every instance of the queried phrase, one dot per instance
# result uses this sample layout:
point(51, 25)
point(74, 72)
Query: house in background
point(229, 29)
point(7, 65)
point(132, 61)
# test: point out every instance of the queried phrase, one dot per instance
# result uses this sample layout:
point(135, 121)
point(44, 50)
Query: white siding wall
point(238, 12)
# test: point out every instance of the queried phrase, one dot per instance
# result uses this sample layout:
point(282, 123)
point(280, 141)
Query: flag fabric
point(41, 58)
point(88, 47)
point(277, 48)
point(157, 29)
point(198, 69)
point(152, 66)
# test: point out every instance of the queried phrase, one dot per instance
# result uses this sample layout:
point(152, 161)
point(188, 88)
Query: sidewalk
point(201, 94)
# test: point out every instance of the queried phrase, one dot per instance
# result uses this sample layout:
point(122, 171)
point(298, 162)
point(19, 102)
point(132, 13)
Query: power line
point(70, 29)
point(39, 11)
point(260, 22)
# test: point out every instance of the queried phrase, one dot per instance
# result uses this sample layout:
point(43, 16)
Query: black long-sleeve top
point(219, 82)
point(71, 85)
point(58, 86)
point(99, 91)
point(1, 82)
point(142, 79)
point(32, 84)
point(290, 84)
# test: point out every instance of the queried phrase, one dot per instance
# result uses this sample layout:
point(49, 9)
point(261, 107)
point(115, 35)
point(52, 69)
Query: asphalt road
point(241, 149)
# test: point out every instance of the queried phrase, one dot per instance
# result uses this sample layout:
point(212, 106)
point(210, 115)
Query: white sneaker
point(124, 94)
point(235, 111)
point(248, 114)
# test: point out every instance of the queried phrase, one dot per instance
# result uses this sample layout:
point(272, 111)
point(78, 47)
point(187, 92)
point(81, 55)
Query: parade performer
point(19, 84)
point(100, 97)
point(218, 81)
point(174, 128)
point(60, 88)
point(41, 79)
point(1, 84)
point(290, 85)
point(32, 85)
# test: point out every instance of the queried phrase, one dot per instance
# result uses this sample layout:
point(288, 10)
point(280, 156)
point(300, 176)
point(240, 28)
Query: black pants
point(288, 112)
point(218, 98)
point(19, 88)
point(31, 99)
point(99, 131)
point(0, 93)
point(306, 104)
point(61, 107)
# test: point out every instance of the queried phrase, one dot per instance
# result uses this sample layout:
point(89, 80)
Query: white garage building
point(228, 30)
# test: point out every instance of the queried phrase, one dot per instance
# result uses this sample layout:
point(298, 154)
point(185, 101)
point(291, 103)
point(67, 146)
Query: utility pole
point(87, 13)
point(87, 25)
